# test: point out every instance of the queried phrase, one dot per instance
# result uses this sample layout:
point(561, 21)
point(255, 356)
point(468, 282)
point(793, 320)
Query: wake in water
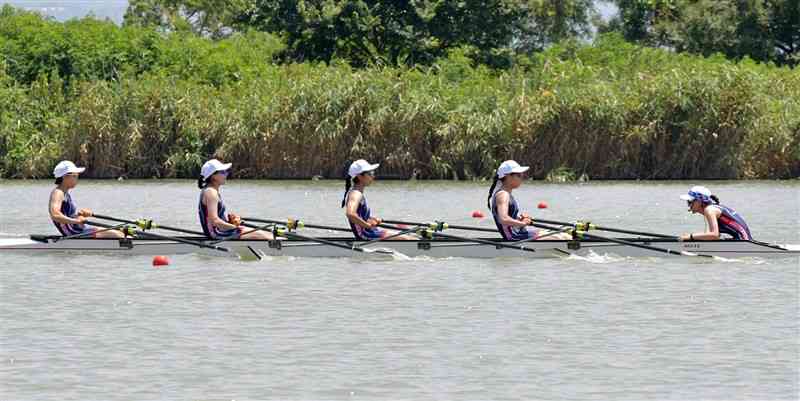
point(606, 258)
point(593, 257)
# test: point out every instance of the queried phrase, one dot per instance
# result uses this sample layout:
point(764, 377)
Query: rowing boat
point(436, 248)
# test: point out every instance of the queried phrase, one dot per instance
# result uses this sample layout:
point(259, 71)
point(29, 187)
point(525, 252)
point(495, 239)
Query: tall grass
point(607, 110)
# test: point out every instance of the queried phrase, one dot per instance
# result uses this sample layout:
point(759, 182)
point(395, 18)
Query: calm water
point(115, 328)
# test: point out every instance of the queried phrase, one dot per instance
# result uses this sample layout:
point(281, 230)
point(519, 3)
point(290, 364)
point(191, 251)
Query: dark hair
point(346, 188)
point(715, 199)
point(491, 192)
point(348, 181)
point(59, 180)
point(202, 182)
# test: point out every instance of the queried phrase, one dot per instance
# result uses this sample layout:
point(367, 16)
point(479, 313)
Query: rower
point(211, 210)
point(65, 215)
point(719, 219)
point(513, 224)
point(360, 175)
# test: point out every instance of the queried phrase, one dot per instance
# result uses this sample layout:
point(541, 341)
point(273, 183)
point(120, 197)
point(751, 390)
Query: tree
point(783, 24)
point(551, 21)
point(210, 18)
point(369, 31)
point(764, 30)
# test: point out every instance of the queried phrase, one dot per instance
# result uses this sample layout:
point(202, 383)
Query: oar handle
point(388, 237)
point(292, 235)
point(624, 242)
point(588, 226)
point(451, 226)
point(88, 234)
point(435, 233)
point(140, 233)
point(288, 222)
point(147, 224)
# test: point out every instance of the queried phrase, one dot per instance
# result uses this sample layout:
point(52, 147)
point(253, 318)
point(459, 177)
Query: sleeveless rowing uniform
point(68, 209)
point(209, 228)
point(363, 211)
point(732, 223)
point(512, 233)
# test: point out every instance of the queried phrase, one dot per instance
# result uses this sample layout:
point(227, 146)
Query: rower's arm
point(56, 197)
point(211, 200)
point(502, 211)
point(351, 210)
point(712, 233)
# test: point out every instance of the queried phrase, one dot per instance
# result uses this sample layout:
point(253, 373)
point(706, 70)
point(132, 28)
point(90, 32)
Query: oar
point(262, 228)
point(292, 235)
point(139, 233)
point(466, 239)
point(395, 235)
point(87, 234)
point(586, 226)
point(582, 226)
point(147, 224)
point(628, 243)
point(552, 232)
point(295, 223)
point(454, 227)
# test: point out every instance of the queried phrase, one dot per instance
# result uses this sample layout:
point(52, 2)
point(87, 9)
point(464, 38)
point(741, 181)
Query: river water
point(83, 327)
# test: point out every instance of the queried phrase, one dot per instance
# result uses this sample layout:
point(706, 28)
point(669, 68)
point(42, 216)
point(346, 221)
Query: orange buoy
point(478, 214)
point(160, 260)
point(542, 205)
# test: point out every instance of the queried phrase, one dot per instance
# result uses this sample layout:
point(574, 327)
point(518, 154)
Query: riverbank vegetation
point(139, 101)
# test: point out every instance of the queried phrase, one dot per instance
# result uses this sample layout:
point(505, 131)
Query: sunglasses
point(369, 173)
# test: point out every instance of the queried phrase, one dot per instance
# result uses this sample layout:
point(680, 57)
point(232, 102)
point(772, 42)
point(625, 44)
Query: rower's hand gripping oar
point(134, 232)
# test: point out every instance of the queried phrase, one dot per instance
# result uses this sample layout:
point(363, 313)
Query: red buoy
point(542, 205)
point(160, 260)
point(478, 214)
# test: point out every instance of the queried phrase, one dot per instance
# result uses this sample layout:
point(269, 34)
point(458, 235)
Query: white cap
point(65, 167)
point(212, 166)
point(509, 167)
point(361, 166)
point(697, 192)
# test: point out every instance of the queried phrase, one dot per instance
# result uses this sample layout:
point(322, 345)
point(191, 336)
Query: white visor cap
point(510, 167)
point(361, 166)
point(66, 167)
point(212, 166)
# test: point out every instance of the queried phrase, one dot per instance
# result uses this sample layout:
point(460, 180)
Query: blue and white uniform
point(363, 211)
point(209, 228)
point(68, 209)
point(732, 223)
point(512, 233)
point(729, 222)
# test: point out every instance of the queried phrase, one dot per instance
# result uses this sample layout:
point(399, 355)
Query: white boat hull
point(249, 249)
